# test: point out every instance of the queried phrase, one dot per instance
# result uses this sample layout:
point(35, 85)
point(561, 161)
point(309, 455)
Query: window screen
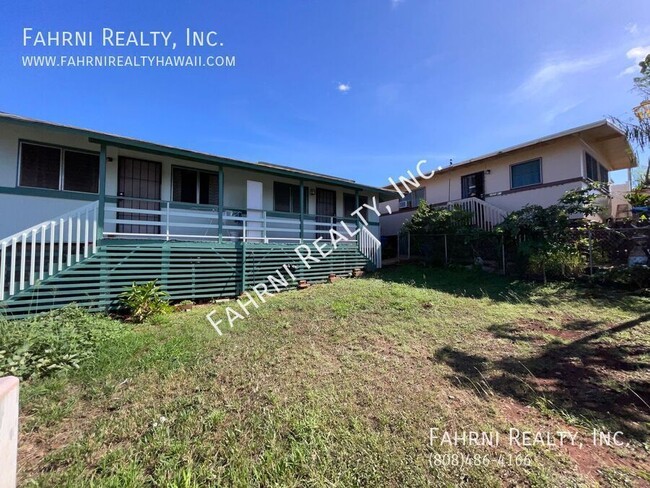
point(603, 174)
point(208, 189)
point(526, 174)
point(595, 170)
point(413, 199)
point(592, 167)
point(184, 184)
point(40, 166)
point(350, 205)
point(286, 197)
point(81, 172)
point(192, 186)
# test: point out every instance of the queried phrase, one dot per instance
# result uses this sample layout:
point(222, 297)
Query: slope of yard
point(339, 385)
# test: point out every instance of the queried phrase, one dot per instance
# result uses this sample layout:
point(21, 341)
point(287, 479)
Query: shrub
point(558, 262)
point(439, 220)
point(637, 198)
point(144, 300)
point(57, 341)
point(628, 277)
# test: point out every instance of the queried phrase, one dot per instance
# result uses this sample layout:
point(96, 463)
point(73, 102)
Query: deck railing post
point(3, 259)
point(302, 211)
point(12, 267)
point(220, 204)
point(264, 225)
point(23, 253)
point(102, 192)
point(242, 285)
point(32, 261)
point(52, 239)
point(167, 221)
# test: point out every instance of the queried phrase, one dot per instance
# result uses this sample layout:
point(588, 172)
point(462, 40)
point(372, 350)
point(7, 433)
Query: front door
point(138, 181)
point(325, 210)
point(473, 185)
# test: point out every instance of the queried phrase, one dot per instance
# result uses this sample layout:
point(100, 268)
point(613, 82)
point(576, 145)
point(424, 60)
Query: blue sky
point(359, 89)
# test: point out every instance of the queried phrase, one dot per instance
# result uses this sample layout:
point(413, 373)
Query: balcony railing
point(160, 219)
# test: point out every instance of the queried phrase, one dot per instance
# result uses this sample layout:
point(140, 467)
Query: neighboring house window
point(526, 174)
point(57, 168)
point(286, 197)
point(193, 186)
point(595, 170)
point(473, 185)
point(413, 199)
point(350, 205)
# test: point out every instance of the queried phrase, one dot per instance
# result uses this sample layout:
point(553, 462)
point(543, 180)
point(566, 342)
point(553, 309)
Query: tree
point(638, 132)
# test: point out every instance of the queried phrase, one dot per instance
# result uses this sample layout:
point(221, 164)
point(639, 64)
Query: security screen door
point(139, 182)
point(325, 208)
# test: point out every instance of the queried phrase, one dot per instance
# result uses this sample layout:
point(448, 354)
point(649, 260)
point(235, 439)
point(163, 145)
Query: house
point(535, 172)
point(86, 213)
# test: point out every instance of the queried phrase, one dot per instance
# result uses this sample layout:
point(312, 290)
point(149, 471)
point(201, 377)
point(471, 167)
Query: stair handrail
point(370, 246)
point(499, 210)
point(490, 216)
point(67, 215)
point(45, 234)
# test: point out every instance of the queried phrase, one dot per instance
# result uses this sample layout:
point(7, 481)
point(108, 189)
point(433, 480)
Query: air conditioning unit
point(404, 204)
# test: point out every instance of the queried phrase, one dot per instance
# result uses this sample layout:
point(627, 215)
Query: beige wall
point(563, 159)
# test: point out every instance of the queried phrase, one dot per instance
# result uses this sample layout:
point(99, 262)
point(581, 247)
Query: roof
point(188, 154)
point(603, 135)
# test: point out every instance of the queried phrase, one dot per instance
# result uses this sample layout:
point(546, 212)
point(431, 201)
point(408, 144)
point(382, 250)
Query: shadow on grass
point(473, 283)
point(459, 281)
point(585, 378)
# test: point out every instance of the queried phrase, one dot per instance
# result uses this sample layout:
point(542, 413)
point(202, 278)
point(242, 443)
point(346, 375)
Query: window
point(526, 174)
point(286, 197)
point(56, 168)
point(473, 185)
point(595, 170)
point(192, 186)
point(40, 166)
point(80, 172)
point(350, 205)
point(413, 199)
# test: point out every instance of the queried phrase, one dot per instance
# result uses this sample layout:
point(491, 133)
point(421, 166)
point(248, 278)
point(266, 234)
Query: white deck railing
point(53, 246)
point(484, 215)
point(172, 220)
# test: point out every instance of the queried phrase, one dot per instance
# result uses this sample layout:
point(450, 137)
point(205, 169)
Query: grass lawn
point(340, 384)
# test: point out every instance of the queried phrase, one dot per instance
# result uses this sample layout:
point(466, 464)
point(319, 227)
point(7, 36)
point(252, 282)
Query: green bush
point(556, 263)
point(439, 220)
point(637, 198)
point(145, 300)
point(628, 277)
point(56, 341)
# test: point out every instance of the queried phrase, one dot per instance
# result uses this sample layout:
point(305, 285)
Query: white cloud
point(560, 109)
point(636, 54)
point(396, 3)
point(632, 29)
point(548, 78)
point(344, 87)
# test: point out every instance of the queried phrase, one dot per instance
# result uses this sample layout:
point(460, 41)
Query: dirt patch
point(590, 460)
point(534, 325)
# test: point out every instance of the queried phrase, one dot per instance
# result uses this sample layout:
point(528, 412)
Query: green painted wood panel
point(186, 270)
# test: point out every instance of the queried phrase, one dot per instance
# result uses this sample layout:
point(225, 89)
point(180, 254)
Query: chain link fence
point(593, 250)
